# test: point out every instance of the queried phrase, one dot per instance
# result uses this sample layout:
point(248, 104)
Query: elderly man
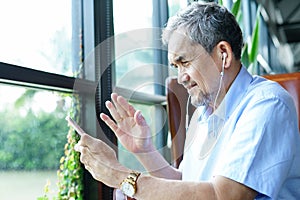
point(242, 142)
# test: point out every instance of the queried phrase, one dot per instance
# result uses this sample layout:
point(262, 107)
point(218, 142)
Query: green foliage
point(36, 140)
point(27, 96)
point(46, 191)
point(70, 173)
point(236, 10)
point(31, 142)
point(251, 47)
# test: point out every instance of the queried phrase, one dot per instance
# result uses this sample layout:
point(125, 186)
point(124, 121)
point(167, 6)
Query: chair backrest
point(176, 105)
point(177, 99)
point(291, 82)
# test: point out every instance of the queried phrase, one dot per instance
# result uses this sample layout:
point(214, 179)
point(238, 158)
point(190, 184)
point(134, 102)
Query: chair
point(291, 82)
point(176, 105)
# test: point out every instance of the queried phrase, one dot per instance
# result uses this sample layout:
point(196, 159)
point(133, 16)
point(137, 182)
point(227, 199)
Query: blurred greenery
point(251, 47)
point(33, 138)
point(33, 141)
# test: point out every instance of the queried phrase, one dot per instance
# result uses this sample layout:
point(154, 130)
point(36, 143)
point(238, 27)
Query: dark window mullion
point(34, 78)
point(21, 76)
point(104, 55)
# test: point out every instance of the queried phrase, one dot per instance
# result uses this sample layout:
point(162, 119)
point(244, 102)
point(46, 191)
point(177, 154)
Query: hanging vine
point(70, 173)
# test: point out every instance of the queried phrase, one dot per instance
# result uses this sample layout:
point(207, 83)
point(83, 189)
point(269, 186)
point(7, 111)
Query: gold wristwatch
point(128, 185)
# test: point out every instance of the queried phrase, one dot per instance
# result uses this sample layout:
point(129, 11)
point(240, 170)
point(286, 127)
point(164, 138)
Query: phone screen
point(77, 128)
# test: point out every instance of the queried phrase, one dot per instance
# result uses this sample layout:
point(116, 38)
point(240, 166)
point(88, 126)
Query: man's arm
point(157, 166)
point(101, 161)
point(220, 188)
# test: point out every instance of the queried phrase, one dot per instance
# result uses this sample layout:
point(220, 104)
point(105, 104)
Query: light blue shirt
point(256, 142)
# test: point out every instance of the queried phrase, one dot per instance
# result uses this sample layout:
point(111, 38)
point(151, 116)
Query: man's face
point(197, 71)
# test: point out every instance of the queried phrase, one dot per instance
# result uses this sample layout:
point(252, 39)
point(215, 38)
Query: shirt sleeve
point(261, 148)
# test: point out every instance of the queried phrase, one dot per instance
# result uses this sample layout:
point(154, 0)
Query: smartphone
point(76, 127)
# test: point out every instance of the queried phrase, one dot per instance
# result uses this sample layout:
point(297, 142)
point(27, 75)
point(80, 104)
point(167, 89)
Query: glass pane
point(37, 34)
point(134, 58)
point(32, 138)
point(176, 5)
point(155, 116)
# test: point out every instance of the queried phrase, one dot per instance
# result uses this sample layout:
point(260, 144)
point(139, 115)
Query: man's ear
point(224, 51)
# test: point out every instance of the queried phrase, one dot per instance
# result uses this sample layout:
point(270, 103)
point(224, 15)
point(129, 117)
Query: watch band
point(128, 186)
point(133, 176)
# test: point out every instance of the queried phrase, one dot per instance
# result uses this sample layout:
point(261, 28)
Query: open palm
point(128, 124)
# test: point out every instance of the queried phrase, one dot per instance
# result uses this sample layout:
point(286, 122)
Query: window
point(37, 66)
point(141, 65)
point(134, 58)
point(33, 135)
point(135, 67)
point(37, 35)
point(268, 52)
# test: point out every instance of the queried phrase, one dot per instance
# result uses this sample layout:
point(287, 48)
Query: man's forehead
point(181, 46)
point(178, 39)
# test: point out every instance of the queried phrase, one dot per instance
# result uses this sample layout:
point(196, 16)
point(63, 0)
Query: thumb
point(85, 140)
point(139, 118)
point(92, 143)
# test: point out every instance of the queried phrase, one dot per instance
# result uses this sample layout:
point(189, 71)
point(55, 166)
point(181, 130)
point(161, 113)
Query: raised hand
point(128, 124)
point(100, 160)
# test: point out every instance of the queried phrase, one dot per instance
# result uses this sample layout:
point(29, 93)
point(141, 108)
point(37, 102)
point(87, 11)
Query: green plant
point(251, 47)
point(250, 50)
point(31, 138)
point(46, 192)
point(70, 173)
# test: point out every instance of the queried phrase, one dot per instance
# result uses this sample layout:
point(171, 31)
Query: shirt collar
point(236, 92)
point(232, 98)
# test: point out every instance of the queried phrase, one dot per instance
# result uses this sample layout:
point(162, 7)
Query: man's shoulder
point(264, 89)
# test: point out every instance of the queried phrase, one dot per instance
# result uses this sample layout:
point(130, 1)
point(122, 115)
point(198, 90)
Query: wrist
point(118, 173)
point(129, 184)
point(150, 148)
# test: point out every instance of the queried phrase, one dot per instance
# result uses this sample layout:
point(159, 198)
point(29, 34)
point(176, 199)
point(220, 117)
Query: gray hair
point(207, 24)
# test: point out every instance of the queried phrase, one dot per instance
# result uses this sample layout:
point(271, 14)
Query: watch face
point(128, 189)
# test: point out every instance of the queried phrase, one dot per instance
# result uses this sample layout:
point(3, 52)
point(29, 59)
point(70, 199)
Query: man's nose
point(182, 77)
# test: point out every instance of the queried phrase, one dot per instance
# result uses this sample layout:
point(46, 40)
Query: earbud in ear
point(224, 55)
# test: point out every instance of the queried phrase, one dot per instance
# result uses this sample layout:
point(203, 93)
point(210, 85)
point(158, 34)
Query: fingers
point(124, 116)
point(139, 118)
point(122, 113)
point(122, 107)
point(89, 142)
point(110, 123)
point(126, 106)
point(113, 111)
point(89, 161)
point(84, 141)
point(93, 145)
point(98, 158)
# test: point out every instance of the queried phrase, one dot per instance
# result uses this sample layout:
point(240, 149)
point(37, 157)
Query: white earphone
point(187, 113)
point(224, 56)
